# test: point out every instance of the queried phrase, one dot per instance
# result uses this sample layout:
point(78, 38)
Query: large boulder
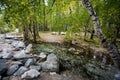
point(32, 73)
point(117, 76)
point(18, 44)
point(3, 66)
point(36, 67)
point(29, 62)
point(12, 69)
point(21, 70)
point(7, 55)
point(51, 64)
point(20, 55)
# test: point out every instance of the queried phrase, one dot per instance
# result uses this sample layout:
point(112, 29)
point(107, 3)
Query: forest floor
point(51, 38)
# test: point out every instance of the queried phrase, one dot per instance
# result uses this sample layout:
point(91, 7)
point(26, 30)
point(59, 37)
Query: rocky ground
point(46, 61)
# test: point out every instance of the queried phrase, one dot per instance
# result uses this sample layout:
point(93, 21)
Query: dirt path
point(48, 37)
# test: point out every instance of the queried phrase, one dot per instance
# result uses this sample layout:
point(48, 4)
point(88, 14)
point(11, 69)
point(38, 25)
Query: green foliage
point(65, 15)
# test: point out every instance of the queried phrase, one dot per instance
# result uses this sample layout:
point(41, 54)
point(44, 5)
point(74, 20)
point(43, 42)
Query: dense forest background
point(56, 15)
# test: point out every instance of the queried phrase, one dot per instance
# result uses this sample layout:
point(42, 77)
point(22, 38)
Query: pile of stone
point(16, 63)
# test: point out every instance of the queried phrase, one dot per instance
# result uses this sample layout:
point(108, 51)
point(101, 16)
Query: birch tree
point(113, 50)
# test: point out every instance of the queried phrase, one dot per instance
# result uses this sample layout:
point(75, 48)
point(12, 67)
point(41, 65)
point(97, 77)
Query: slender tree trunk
point(92, 34)
point(85, 32)
point(44, 13)
point(113, 50)
point(25, 32)
point(116, 32)
point(34, 32)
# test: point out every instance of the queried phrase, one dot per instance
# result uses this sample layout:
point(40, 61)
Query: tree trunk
point(34, 32)
point(92, 34)
point(116, 32)
point(85, 32)
point(113, 50)
point(25, 32)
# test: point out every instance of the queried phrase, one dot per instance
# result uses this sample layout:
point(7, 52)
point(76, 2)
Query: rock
point(38, 68)
point(15, 78)
point(98, 54)
point(117, 76)
point(21, 70)
point(3, 66)
point(16, 62)
point(16, 49)
point(7, 55)
point(51, 57)
point(53, 73)
point(63, 33)
point(6, 78)
point(1, 49)
point(42, 55)
point(12, 69)
point(18, 44)
point(20, 55)
point(104, 60)
point(14, 43)
point(32, 73)
point(28, 48)
point(71, 49)
point(29, 62)
point(1, 55)
point(0, 77)
point(54, 33)
point(51, 64)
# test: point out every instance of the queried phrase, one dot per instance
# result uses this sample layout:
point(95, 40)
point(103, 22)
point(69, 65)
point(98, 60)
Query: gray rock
point(71, 49)
point(42, 55)
point(16, 62)
point(117, 76)
point(18, 44)
point(51, 57)
point(16, 49)
point(32, 73)
point(63, 33)
point(20, 55)
point(29, 62)
point(15, 78)
point(0, 55)
point(0, 77)
point(51, 64)
point(12, 69)
point(1, 50)
point(28, 48)
point(6, 78)
point(21, 70)
point(38, 68)
point(7, 55)
point(3, 66)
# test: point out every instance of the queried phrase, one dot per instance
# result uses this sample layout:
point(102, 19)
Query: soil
point(50, 38)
